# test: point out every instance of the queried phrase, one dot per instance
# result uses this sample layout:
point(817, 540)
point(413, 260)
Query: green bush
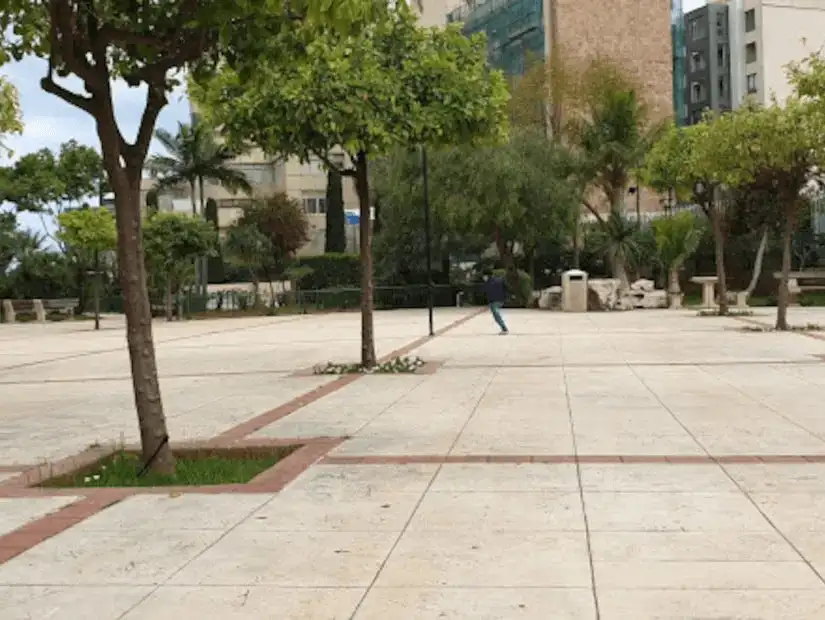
point(330, 271)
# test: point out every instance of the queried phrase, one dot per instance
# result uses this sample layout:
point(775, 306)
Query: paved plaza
point(613, 466)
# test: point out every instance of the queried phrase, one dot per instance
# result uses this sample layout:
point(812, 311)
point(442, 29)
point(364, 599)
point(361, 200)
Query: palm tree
point(677, 238)
point(193, 157)
point(611, 132)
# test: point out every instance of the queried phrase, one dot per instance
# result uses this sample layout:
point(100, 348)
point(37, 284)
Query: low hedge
point(330, 271)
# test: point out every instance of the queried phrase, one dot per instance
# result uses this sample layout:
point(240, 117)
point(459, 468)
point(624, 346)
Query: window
point(696, 117)
point(722, 56)
point(257, 174)
point(751, 83)
point(750, 52)
point(697, 92)
point(720, 25)
point(750, 20)
point(697, 61)
point(698, 30)
point(313, 166)
point(723, 87)
point(315, 205)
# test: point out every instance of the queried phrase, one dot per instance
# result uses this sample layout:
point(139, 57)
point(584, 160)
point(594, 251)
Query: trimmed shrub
point(330, 271)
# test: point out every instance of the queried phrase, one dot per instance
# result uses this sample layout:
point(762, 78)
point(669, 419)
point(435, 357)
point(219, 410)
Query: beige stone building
point(770, 34)
point(305, 182)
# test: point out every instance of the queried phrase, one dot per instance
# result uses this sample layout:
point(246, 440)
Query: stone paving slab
point(620, 533)
point(15, 513)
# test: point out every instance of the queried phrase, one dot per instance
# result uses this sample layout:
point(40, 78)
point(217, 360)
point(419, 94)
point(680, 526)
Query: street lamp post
point(427, 243)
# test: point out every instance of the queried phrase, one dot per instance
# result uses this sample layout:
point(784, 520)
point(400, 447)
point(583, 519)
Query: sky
point(49, 121)
point(689, 5)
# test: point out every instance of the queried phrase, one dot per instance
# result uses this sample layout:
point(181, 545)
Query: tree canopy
point(395, 84)
point(10, 121)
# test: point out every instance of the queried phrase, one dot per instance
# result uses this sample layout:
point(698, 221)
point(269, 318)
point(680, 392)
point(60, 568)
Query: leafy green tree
point(336, 232)
point(779, 147)
point(400, 249)
point(172, 241)
point(33, 182)
point(513, 195)
point(283, 221)
point(9, 110)
point(691, 161)
point(145, 43)
point(247, 247)
point(393, 85)
point(677, 238)
point(89, 233)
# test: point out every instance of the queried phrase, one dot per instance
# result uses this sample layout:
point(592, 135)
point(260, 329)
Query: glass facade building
point(514, 28)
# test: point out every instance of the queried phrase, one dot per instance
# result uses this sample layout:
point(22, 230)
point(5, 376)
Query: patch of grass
point(121, 470)
point(731, 312)
point(399, 365)
point(809, 327)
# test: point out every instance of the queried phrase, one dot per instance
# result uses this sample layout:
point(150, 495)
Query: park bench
point(36, 307)
point(60, 306)
point(803, 282)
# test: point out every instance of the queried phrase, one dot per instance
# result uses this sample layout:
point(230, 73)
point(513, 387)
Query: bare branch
point(155, 100)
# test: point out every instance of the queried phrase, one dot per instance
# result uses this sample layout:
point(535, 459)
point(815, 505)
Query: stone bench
point(797, 285)
point(37, 307)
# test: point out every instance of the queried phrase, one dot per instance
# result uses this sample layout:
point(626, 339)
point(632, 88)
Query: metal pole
point(427, 243)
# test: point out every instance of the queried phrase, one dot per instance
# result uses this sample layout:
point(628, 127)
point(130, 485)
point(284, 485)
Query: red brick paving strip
point(31, 534)
point(265, 419)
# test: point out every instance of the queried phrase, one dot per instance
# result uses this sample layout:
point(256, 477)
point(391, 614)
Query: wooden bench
point(37, 307)
point(796, 281)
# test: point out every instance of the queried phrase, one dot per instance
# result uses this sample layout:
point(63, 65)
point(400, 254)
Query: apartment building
point(706, 81)
point(762, 36)
point(268, 175)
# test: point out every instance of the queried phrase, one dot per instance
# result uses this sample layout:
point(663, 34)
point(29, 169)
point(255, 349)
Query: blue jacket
point(495, 290)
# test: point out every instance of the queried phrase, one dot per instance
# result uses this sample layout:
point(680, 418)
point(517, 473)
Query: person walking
point(496, 292)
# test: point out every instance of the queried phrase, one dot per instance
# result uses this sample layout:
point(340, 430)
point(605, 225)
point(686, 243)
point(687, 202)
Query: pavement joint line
point(419, 502)
point(767, 406)
point(753, 321)
point(758, 508)
point(593, 588)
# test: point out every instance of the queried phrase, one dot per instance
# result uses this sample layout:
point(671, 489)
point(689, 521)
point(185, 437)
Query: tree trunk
point(757, 266)
point(618, 268)
point(204, 261)
point(336, 232)
point(151, 419)
point(673, 288)
point(368, 359)
point(783, 296)
point(97, 290)
point(719, 252)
